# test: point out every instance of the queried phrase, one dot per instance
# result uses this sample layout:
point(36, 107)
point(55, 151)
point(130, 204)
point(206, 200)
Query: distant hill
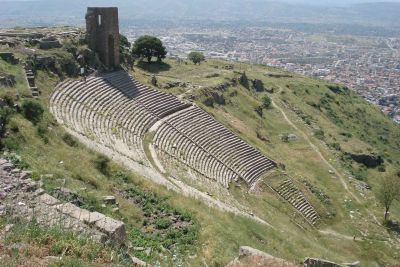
point(45, 12)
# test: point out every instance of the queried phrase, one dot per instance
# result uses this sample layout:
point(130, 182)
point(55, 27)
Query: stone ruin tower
point(102, 34)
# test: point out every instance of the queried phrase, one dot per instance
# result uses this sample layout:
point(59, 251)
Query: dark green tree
point(125, 51)
point(196, 57)
point(243, 80)
point(266, 102)
point(149, 47)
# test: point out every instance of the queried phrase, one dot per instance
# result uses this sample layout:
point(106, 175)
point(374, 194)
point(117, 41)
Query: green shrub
point(162, 224)
point(320, 134)
point(285, 138)
point(120, 177)
point(335, 146)
point(69, 140)
point(259, 110)
point(101, 164)
point(13, 142)
point(32, 111)
point(382, 168)
point(42, 132)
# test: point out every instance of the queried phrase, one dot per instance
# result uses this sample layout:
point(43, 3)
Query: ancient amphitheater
point(115, 111)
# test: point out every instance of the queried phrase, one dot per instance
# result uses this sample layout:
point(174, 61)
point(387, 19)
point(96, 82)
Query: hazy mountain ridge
point(382, 13)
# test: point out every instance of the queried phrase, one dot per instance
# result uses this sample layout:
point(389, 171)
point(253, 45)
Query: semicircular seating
point(205, 145)
point(116, 111)
point(99, 111)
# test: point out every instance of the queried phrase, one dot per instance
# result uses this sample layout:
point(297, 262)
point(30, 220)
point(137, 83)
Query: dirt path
point(333, 233)
point(316, 149)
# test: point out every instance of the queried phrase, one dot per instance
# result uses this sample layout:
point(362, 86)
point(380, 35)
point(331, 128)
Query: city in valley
point(368, 64)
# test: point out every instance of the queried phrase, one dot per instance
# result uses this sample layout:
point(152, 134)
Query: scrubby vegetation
point(28, 243)
point(32, 111)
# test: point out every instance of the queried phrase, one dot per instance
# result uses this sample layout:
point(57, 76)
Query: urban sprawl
point(368, 65)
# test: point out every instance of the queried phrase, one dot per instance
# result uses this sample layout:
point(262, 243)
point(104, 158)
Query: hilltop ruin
point(102, 34)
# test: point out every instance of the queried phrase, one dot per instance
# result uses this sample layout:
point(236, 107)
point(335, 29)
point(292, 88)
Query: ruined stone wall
point(22, 198)
point(102, 33)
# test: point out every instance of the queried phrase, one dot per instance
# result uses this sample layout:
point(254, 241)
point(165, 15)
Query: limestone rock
point(25, 175)
point(314, 262)
point(48, 200)
point(249, 251)
point(137, 262)
point(109, 200)
point(113, 229)
point(249, 257)
point(94, 217)
point(8, 227)
point(7, 166)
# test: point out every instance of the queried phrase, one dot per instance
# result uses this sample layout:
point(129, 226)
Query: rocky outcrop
point(314, 262)
point(9, 57)
point(370, 161)
point(258, 85)
point(174, 84)
point(7, 80)
point(249, 257)
point(214, 97)
point(49, 43)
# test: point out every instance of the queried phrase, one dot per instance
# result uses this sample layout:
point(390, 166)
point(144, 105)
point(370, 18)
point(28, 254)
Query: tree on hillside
point(149, 47)
point(125, 51)
point(243, 80)
point(196, 57)
point(389, 191)
point(266, 102)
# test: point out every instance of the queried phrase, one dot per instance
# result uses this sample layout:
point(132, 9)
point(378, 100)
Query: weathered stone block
point(138, 263)
point(92, 217)
point(314, 262)
point(48, 200)
point(113, 228)
point(248, 251)
point(25, 175)
point(109, 200)
point(73, 211)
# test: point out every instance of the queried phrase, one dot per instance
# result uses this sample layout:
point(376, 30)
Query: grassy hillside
point(327, 125)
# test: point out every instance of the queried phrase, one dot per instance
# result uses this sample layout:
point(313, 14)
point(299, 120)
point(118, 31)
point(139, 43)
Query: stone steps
point(96, 108)
point(158, 103)
point(293, 195)
point(30, 79)
point(212, 140)
point(117, 111)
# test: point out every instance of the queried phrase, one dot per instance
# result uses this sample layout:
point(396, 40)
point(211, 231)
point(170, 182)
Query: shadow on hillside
point(393, 226)
point(154, 67)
